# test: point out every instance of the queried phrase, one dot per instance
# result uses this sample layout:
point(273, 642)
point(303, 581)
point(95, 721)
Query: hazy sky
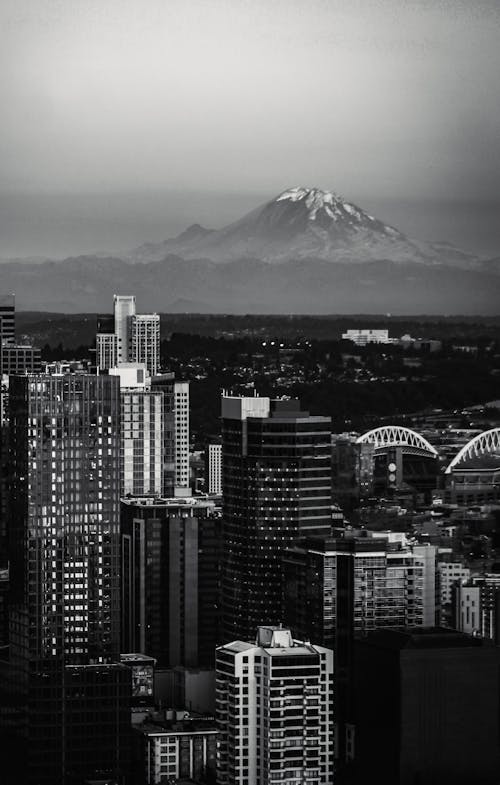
point(377, 99)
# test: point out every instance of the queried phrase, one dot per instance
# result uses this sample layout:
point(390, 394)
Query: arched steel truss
point(482, 444)
point(397, 436)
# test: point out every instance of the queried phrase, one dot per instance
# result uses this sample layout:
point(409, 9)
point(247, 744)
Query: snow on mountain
point(303, 223)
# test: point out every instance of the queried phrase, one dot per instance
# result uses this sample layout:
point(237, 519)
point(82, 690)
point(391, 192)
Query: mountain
point(306, 251)
point(303, 223)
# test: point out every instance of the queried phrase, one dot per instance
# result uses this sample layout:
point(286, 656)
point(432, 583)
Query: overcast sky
point(376, 99)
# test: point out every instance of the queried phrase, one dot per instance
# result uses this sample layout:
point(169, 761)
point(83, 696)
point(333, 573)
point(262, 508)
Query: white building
point(450, 573)
point(124, 308)
point(145, 340)
point(363, 337)
point(214, 469)
point(106, 350)
point(274, 709)
point(142, 426)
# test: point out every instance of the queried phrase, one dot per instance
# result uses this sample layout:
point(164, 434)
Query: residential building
point(335, 590)
point(177, 749)
point(449, 574)
point(427, 708)
point(124, 309)
point(477, 606)
point(64, 550)
point(276, 469)
point(145, 341)
point(181, 412)
point(274, 709)
point(170, 551)
point(142, 437)
point(213, 469)
point(106, 350)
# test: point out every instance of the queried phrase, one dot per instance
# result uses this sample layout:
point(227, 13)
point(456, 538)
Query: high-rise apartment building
point(124, 310)
point(181, 414)
point(336, 590)
point(64, 550)
point(276, 470)
point(142, 425)
point(145, 341)
point(170, 551)
point(213, 469)
point(274, 710)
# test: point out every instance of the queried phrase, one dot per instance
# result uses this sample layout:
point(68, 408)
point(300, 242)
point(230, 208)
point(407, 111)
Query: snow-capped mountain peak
point(304, 223)
point(333, 205)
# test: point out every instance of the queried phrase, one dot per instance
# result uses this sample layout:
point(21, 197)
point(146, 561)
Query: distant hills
point(306, 251)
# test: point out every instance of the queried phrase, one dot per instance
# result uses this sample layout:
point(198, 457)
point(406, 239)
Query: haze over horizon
point(124, 122)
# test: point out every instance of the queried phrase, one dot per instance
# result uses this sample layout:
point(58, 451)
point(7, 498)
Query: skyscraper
point(335, 590)
point(142, 431)
point(124, 309)
point(274, 702)
point(175, 433)
point(64, 548)
point(276, 464)
point(170, 556)
point(145, 341)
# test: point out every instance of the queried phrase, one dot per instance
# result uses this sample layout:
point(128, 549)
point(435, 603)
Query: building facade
point(145, 341)
point(274, 709)
point(124, 310)
point(427, 708)
point(276, 469)
point(170, 551)
point(64, 550)
point(213, 470)
point(477, 606)
point(183, 749)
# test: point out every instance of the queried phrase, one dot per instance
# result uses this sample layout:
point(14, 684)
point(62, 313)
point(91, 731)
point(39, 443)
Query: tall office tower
point(213, 469)
point(274, 704)
point(7, 319)
point(476, 603)
point(170, 550)
point(64, 549)
point(335, 590)
point(145, 341)
point(124, 309)
point(427, 708)
point(142, 424)
point(276, 483)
